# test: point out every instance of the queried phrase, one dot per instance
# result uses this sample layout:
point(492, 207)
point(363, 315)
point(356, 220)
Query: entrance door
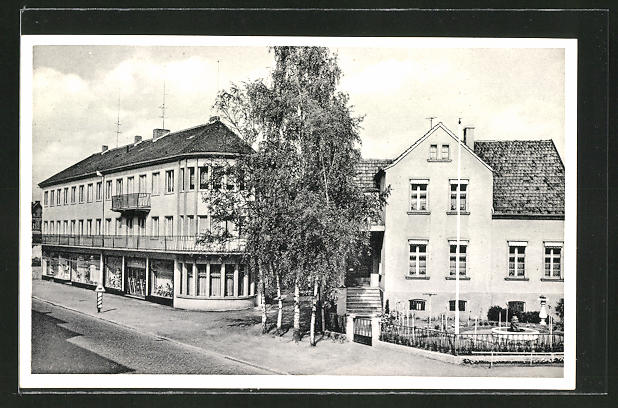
point(136, 282)
point(362, 330)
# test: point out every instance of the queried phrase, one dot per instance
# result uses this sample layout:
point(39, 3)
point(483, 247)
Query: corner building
point(131, 218)
point(511, 228)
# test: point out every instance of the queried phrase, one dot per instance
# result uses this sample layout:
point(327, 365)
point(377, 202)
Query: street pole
point(430, 307)
point(458, 203)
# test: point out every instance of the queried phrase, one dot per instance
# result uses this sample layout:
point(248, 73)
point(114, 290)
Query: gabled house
point(511, 196)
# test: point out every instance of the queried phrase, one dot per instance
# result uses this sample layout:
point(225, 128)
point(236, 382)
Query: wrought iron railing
point(133, 201)
point(192, 243)
point(468, 343)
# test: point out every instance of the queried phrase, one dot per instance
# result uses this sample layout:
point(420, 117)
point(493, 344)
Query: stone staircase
point(364, 301)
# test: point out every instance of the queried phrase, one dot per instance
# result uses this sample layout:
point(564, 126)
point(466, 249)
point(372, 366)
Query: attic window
point(443, 154)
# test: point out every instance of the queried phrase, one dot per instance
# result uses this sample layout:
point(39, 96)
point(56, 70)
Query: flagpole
point(458, 203)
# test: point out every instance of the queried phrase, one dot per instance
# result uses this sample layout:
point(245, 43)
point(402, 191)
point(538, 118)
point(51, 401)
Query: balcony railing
point(147, 243)
point(131, 202)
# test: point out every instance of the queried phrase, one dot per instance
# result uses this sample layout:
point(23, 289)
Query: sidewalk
point(236, 334)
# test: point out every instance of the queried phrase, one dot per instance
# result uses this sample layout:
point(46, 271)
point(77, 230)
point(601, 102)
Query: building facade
point(36, 209)
point(131, 218)
point(511, 198)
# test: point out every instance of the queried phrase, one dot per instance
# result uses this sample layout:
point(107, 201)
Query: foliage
point(560, 309)
point(386, 308)
point(530, 317)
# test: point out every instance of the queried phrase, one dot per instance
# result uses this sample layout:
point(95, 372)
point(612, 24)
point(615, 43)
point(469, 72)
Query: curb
point(196, 348)
point(447, 358)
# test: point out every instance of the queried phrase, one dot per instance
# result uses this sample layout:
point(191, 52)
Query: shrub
point(386, 308)
point(560, 308)
point(530, 317)
point(36, 261)
point(493, 313)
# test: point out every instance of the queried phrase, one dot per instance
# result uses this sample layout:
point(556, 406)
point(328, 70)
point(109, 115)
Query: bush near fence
point(335, 322)
point(466, 343)
point(496, 313)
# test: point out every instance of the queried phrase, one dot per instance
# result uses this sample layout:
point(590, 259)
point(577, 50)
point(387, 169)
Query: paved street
point(66, 342)
point(129, 333)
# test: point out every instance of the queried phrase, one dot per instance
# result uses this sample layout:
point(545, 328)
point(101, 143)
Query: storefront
point(85, 269)
point(135, 277)
point(113, 274)
point(161, 281)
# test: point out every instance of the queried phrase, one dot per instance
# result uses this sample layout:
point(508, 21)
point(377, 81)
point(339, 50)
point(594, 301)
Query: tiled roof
point(528, 176)
point(367, 170)
point(214, 137)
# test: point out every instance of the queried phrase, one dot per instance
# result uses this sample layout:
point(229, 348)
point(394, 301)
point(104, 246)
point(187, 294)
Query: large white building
point(132, 216)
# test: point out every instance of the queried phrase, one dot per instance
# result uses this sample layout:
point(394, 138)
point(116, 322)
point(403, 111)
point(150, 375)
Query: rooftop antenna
point(118, 122)
point(431, 118)
point(163, 107)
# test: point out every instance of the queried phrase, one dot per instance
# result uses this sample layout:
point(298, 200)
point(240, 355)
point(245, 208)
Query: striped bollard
point(99, 290)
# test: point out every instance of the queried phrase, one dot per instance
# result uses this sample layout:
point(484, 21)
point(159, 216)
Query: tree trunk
point(280, 305)
point(322, 296)
point(296, 333)
point(313, 310)
point(262, 290)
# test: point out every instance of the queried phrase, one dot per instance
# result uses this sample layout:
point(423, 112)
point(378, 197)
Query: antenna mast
point(118, 122)
point(163, 107)
point(431, 118)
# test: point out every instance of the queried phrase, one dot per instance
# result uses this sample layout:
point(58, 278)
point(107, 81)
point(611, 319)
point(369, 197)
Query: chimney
point(137, 139)
point(159, 133)
point(468, 137)
point(104, 148)
point(213, 119)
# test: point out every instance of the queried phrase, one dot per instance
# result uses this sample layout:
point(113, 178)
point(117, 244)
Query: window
point(433, 152)
point(65, 227)
point(108, 190)
point(118, 186)
point(130, 185)
point(516, 306)
point(73, 191)
point(118, 226)
point(190, 226)
point(241, 280)
point(462, 305)
point(517, 259)
point(51, 227)
point(169, 181)
point(418, 195)
point(155, 226)
point(99, 193)
point(89, 193)
point(463, 195)
point(66, 196)
point(45, 199)
point(52, 197)
point(129, 226)
point(89, 227)
point(181, 182)
point(191, 178)
point(204, 178)
point(142, 184)
point(418, 258)
point(72, 227)
point(58, 197)
point(202, 276)
point(141, 226)
point(98, 227)
point(202, 224)
point(45, 225)
point(553, 260)
point(155, 183)
point(80, 227)
point(189, 288)
point(417, 304)
point(169, 226)
point(463, 257)
point(215, 280)
point(229, 279)
point(445, 152)
point(181, 225)
point(81, 194)
point(108, 226)
point(217, 177)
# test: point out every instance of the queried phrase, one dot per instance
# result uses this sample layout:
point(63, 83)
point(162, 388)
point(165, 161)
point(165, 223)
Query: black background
point(590, 27)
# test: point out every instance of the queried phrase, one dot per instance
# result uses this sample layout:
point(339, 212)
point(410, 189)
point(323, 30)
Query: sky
point(506, 94)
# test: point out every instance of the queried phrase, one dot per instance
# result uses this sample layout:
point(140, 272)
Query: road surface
point(67, 342)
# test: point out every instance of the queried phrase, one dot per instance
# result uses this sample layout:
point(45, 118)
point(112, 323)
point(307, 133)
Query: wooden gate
point(362, 330)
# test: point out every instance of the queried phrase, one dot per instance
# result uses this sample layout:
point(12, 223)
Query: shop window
point(64, 267)
point(462, 305)
point(113, 272)
point(417, 265)
point(463, 258)
point(215, 280)
point(202, 283)
point(417, 304)
point(84, 268)
point(229, 279)
point(162, 278)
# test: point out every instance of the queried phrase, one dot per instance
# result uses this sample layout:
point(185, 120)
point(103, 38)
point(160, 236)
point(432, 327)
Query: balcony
point(190, 244)
point(139, 202)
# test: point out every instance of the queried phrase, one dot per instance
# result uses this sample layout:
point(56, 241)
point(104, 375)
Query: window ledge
point(509, 278)
point(417, 277)
point(455, 212)
point(419, 212)
point(439, 160)
point(552, 280)
point(460, 278)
